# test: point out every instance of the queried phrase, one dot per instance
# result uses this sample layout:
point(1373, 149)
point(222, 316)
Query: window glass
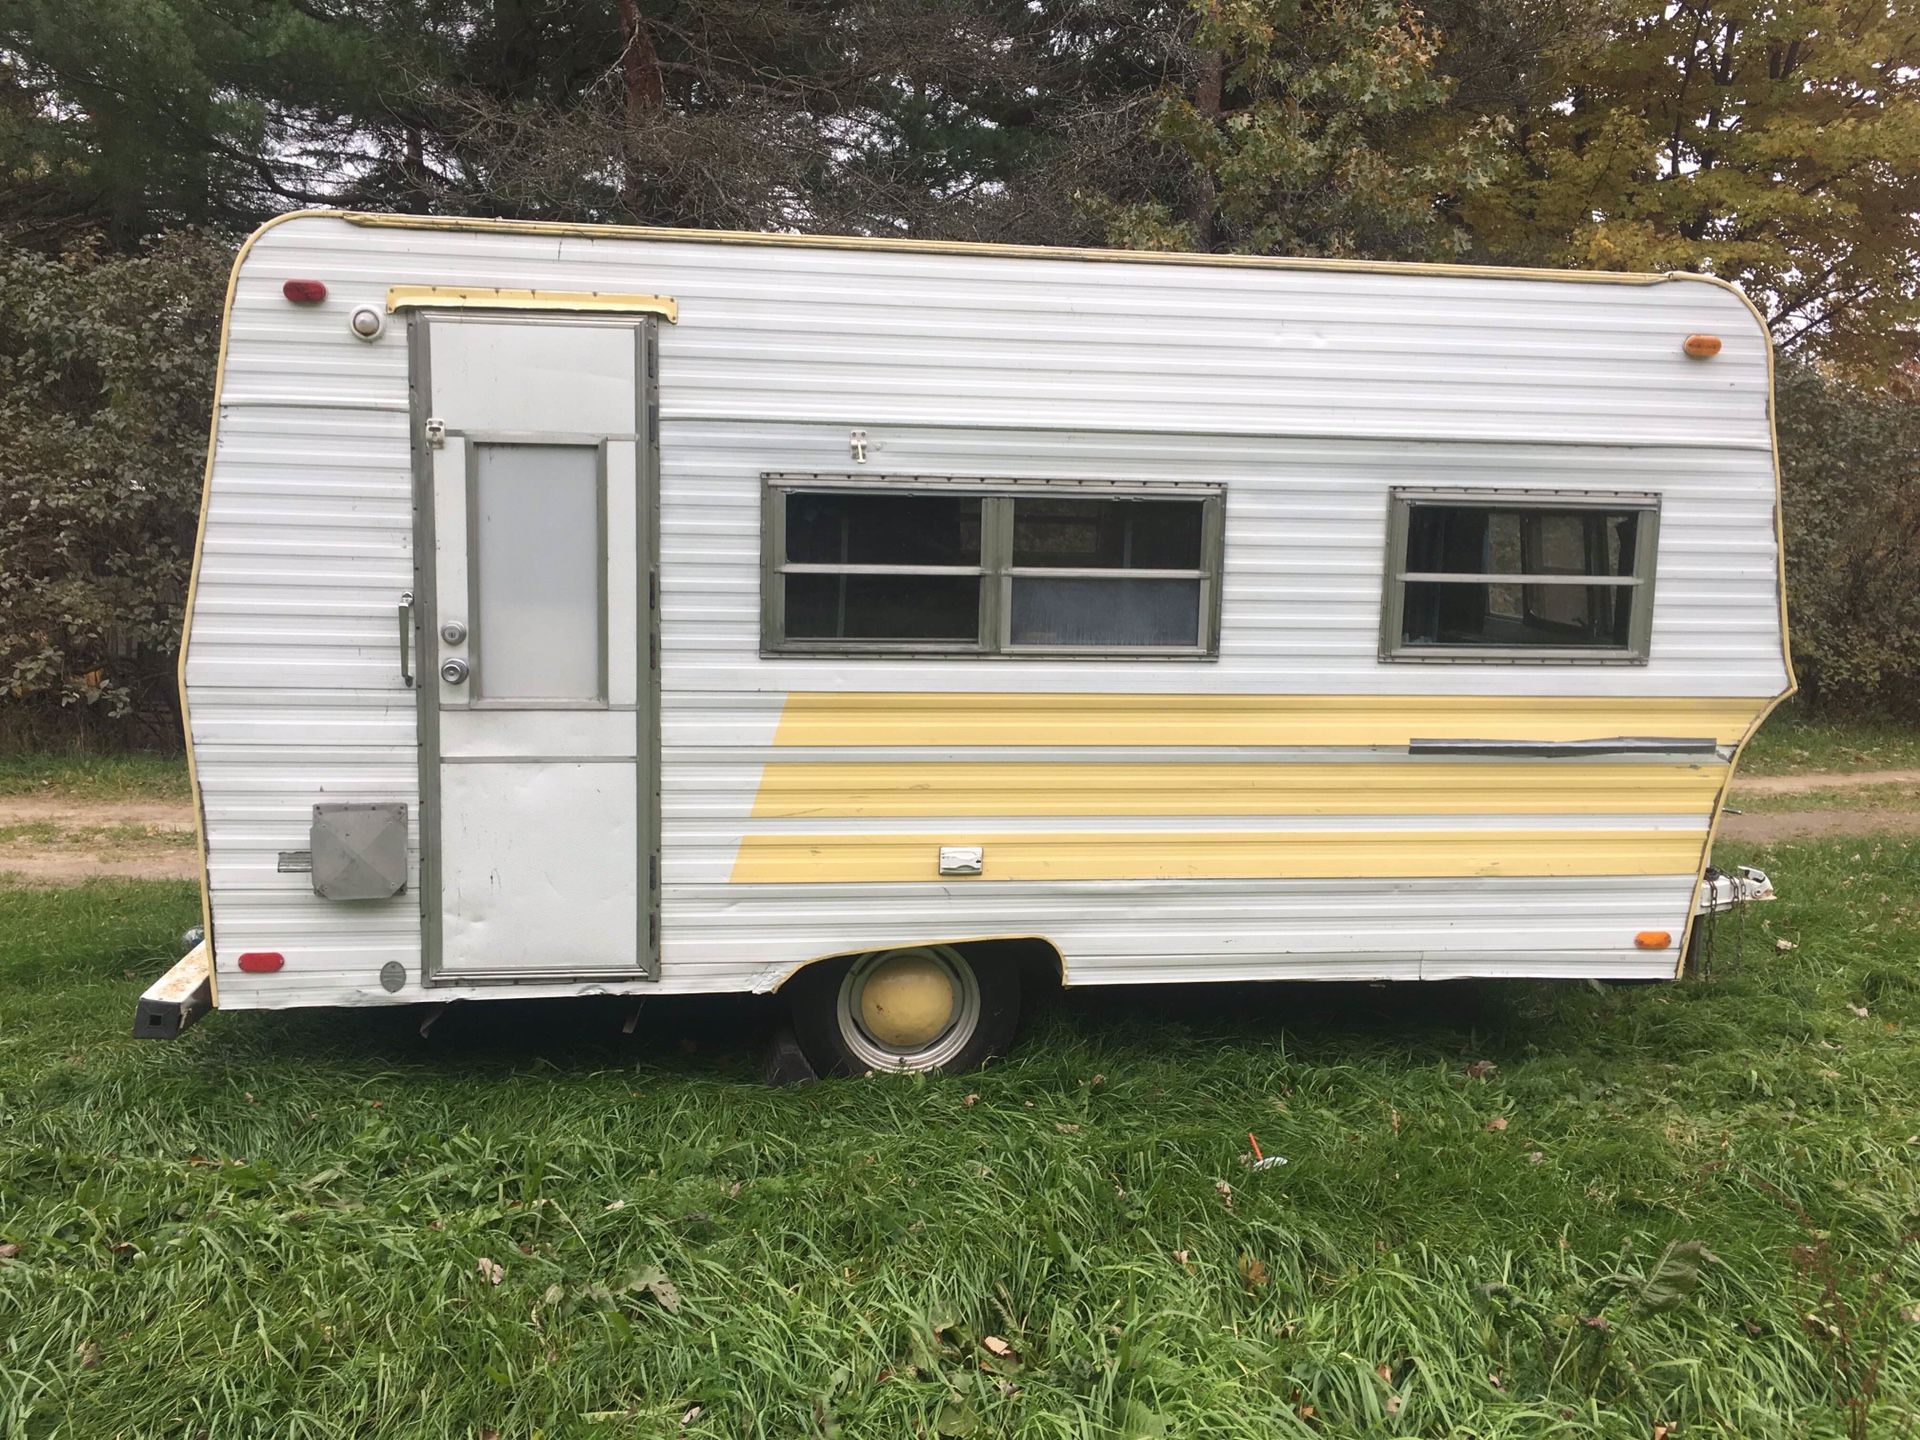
point(537, 617)
point(883, 607)
point(1012, 566)
point(1107, 534)
point(1520, 570)
point(865, 529)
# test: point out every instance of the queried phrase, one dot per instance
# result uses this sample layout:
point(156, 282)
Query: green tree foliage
point(1775, 143)
point(125, 118)
point(1851, 469)
point(1306, 128)
point(106, 376)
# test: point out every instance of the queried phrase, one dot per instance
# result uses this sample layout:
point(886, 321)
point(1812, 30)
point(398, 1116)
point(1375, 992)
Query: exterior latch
point(436, 434)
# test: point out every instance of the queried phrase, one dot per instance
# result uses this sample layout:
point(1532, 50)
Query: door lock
point(453, 632)
point(454, 672)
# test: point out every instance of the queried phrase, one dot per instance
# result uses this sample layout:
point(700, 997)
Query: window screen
point(1109, 573)
point(1533, 576)
point(1011, 567)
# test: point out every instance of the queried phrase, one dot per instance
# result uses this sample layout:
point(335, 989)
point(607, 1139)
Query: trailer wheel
point(927, 1007)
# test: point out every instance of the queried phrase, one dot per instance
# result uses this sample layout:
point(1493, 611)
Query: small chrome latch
point(962, 859)
point(436, 433)
point(857, 446)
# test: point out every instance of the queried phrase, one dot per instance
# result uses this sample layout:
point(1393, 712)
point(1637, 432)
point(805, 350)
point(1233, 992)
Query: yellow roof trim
point(973, 247)
point(488, 297)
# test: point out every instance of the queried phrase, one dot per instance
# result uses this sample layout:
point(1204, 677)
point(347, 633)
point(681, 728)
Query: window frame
point(1401, 501)
point(995, 570)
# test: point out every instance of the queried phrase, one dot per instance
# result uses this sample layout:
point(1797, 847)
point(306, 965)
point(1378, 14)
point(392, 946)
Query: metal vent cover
point(359, 850)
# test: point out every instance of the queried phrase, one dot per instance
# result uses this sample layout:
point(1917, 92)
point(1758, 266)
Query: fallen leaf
point(1497, 1123)
point(1859, 1010)
point(1253, 1272)
point(957, 1420)
point(1385, 1372)
point(1535, 1157)
point(654, 1281)
point(1910, 1314)
point(1660, 1432)
point(9, 1251)
point(1392, 1407)
point(1066, 1129)
point(1784, 945)
point(996, 1346)
point(693, 1414)
point(1099, 1080)
point(1226, 1192)
point(491, 1273)
point(1393, 1119)
point(554, 1295)
point(1480, 1069)
point(1182, 1256)
point(89, 1355)
point(971, 1101)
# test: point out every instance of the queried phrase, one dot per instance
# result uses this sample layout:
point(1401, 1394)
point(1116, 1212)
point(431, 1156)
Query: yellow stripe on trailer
point(1293, 855)
point(999, 718)
point(929, 789)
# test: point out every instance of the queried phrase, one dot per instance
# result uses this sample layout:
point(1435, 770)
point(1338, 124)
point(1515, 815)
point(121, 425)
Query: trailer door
point(536, 601)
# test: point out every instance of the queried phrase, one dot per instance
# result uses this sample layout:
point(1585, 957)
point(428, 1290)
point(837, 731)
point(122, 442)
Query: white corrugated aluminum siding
point(1306, 392)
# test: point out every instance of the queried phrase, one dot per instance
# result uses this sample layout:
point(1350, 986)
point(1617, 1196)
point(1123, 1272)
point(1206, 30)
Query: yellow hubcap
point(907, 1002)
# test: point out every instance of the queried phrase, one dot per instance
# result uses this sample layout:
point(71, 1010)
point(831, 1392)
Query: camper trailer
point(592, 610)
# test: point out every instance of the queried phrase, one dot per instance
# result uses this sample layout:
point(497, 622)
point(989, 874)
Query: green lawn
point(132, 775)
point(289, 1225)
point(1793, 743)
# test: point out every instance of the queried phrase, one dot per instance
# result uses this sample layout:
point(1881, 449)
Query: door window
point(538, 572)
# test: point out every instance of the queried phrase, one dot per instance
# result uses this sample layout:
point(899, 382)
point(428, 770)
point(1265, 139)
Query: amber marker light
point(1653, 939)
point(1702, 347)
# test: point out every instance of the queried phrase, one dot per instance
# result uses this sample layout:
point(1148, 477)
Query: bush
point(106, 377)
point(1850, 461)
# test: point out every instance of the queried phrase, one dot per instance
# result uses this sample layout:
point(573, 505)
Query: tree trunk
point(1207, 94)
point(645, 97)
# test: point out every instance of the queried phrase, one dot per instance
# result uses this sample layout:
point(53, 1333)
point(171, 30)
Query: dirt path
point(1764, 826)
point(57, 840)
point(1807, 784)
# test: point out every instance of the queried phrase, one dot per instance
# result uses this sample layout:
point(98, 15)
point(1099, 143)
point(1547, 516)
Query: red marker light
point(304, 292)
point(262, 962)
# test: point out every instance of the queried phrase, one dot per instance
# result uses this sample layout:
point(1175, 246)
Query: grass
point(1859, 797)
point(1795, 743)
point(130, 775)
point(290, 1224)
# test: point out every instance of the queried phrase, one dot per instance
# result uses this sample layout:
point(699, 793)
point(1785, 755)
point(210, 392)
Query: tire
point(883, 1010)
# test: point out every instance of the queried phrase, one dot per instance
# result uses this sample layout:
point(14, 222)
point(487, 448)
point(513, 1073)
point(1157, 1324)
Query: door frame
point(425, 623)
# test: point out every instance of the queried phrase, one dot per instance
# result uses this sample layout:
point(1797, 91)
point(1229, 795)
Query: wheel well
point(1041, 963)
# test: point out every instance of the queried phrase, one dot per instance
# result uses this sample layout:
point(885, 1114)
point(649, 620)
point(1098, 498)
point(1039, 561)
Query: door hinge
point(436, 433)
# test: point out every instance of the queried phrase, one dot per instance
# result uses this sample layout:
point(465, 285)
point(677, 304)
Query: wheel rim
point(912, 1009)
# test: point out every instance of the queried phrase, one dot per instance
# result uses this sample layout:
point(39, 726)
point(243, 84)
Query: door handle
point(454, 672)
point(406, 638)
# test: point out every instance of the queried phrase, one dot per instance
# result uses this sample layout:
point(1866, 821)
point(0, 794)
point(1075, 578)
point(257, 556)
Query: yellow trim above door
point(488, 297)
